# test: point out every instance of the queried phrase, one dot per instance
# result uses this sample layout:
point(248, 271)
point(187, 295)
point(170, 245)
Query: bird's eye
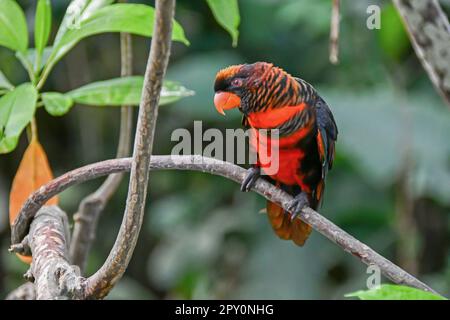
point(236, 82)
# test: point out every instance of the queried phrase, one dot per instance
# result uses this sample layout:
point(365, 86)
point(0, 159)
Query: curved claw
point(249, 181)
point(298, 204)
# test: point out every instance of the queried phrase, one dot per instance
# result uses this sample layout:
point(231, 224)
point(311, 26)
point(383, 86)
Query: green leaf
point(394, 292)
point(56, 104)
point(172, 92)
point(77, 11)
point(93, 6)
point(13, 26)
point(124, 91)
point(16, 111)
point(132, 18)
point(42, 25)
point(4, 83)
point(226, 13)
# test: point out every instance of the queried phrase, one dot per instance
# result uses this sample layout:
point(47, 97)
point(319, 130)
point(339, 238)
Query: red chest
point(289, 163)
point(280, 158)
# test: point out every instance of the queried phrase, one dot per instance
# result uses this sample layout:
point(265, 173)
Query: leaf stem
point(43, 77)
point(37, 63)
point(34, 131)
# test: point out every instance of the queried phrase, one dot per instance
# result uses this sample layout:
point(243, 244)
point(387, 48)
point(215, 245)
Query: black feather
point(328, 129)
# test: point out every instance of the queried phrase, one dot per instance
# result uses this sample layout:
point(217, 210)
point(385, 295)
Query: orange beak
point(226, 101)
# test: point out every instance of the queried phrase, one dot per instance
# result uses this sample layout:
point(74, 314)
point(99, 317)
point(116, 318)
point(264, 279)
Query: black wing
point(326, 126)
point(326, 135)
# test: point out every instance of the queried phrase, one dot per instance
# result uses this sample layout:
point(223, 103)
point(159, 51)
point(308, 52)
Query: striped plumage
point(270, 98)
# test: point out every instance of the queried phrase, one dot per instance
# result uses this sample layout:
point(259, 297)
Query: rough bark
point(429, 31)
point(53, 276)
point(24, 292)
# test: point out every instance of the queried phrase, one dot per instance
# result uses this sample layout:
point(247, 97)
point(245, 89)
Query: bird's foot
point(250, 178)
point(298, 204)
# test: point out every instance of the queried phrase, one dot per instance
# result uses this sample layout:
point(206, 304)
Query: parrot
point(270, 98)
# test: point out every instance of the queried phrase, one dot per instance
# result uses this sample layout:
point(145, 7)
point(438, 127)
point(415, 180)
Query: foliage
point(34, 171)
point(114, 92)
point(82, 19)
point(13, 26)
point(394, 292)
point(226, 13)
point(56, 104)
point(42, 26)
point(16, 111)
point(125, 90)
point(18, 104)
point(131, 18)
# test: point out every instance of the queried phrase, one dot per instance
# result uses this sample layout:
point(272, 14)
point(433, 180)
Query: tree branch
point(53, 276)
point(334, 33)
point(429, 31)
point(112, 270)
point(91, 207)
point(229, 171)
point(24, 292)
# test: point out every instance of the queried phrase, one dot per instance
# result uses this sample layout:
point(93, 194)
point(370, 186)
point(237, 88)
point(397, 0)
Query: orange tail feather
point(296, 230)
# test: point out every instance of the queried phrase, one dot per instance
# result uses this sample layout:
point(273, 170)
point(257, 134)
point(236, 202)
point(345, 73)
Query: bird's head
point(234, 82)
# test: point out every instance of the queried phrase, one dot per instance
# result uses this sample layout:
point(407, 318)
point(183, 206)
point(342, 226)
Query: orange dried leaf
point(33, 172)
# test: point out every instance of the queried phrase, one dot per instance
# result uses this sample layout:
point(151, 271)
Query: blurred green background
point(202, 237)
